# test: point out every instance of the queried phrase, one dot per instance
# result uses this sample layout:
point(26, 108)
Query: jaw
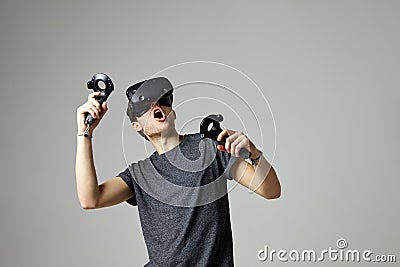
point(158, 128)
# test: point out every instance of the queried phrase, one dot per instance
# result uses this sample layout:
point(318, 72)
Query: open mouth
point(158, 114)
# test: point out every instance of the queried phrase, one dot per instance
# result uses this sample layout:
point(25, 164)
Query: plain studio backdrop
point(329, 71)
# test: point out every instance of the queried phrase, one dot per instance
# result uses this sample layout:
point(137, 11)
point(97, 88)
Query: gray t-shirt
point(183, 204)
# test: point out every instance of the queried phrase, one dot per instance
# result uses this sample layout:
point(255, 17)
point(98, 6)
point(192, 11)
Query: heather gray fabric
point(184, 236)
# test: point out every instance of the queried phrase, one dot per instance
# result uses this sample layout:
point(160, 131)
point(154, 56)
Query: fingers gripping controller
point(210, 128)
point(100, 82)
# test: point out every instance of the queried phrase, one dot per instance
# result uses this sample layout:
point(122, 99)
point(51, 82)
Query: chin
point(161, 130)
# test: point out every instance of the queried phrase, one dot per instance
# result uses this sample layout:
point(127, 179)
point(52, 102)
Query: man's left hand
point(235, 142)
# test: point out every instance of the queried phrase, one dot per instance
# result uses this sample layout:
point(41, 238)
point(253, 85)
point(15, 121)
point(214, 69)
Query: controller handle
point(100, 82)
point(210, 128)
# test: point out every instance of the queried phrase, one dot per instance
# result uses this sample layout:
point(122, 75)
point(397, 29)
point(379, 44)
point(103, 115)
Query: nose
point(155, 104)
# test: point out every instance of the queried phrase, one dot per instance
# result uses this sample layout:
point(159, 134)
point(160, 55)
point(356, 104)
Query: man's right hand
point(94, 108)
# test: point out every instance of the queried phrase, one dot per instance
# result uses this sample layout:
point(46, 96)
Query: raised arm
point(92, 195)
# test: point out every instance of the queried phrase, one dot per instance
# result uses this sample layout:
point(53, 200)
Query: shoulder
point(129, 170)
point(192, 135)
point(196, 137)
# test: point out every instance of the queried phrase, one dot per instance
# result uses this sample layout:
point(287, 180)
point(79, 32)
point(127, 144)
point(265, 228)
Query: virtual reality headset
point(143, 95)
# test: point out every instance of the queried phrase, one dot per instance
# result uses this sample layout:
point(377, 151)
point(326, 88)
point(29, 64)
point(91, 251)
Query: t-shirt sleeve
point(227, 160)
point(127, 177)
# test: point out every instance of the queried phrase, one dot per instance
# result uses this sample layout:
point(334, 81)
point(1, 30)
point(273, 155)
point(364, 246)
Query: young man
point(180, 190)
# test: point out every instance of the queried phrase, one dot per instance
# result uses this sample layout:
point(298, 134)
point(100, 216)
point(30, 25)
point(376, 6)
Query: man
point(182, 224)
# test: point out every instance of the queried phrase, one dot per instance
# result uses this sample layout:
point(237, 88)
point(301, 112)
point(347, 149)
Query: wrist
point(254, 152)
point(85, 132)
point(85, 135)
point(256, 155)
point(254, 159)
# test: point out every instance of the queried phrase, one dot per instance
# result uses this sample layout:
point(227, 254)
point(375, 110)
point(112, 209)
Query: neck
point(166, 141)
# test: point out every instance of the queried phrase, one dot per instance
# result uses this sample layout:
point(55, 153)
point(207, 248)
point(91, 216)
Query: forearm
point(261, 178)
point(265, 179)
point(85, 172)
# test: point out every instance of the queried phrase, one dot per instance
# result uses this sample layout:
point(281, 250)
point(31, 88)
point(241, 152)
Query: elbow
point(275, 195)
point(273, 190)
point(88, 205)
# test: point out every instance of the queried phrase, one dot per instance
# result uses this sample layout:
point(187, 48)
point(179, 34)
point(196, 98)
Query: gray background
point(329, 70)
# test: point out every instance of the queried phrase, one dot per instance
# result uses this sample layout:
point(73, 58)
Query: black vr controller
point(210, 128)
point(100, 82)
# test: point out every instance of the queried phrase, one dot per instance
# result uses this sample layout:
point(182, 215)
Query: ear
point(174, 113)
point(137, 126)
